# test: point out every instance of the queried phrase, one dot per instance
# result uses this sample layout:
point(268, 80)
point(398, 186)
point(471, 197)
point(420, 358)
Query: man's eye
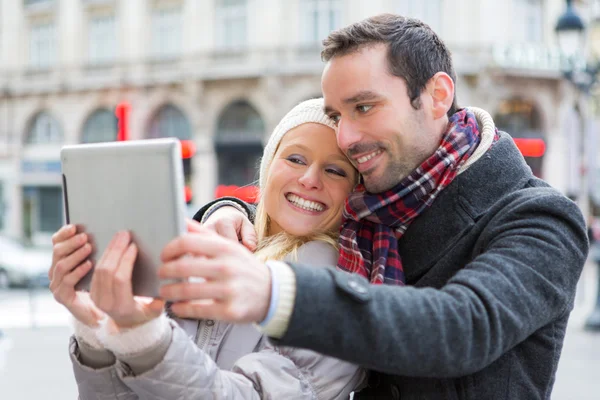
point(364, 108)
point(335, 118)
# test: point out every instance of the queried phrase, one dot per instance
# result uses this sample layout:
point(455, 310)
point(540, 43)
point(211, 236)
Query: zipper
point(206, 327)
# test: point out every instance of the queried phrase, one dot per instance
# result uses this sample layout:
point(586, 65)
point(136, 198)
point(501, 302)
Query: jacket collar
point(500, 170)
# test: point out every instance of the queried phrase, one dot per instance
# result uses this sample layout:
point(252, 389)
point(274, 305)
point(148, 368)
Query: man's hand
point(236, 285)
point(230, 223)
point(111, 288)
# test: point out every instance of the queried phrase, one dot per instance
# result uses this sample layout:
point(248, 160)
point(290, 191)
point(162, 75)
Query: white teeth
point(305, 204)
point(368, 157)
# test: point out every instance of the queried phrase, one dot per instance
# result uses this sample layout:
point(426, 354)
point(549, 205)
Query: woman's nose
point(311, 179)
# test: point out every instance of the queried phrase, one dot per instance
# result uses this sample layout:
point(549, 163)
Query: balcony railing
point(29, 3)
point(216, 65)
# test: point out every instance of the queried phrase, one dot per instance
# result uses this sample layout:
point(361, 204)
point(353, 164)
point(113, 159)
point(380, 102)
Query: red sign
point(247, 193)
point(531, 147)
point(122, 114)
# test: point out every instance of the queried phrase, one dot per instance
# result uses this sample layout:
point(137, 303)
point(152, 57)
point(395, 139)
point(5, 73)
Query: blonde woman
point(126, 348)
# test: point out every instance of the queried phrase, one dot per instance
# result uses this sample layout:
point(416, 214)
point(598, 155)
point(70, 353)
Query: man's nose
point(311, 179)
point(347, 135)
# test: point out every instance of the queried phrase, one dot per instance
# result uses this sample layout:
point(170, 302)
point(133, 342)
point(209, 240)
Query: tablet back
point(136, 186)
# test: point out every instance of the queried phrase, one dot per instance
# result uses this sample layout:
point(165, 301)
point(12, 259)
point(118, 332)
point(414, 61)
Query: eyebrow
point(338, 157)
point(361, 96)
point(365, 95)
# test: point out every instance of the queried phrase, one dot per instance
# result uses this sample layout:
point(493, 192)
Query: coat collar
point(500, 170)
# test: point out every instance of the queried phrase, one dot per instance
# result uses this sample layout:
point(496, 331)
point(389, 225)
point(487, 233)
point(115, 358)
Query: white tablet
point(136, 186)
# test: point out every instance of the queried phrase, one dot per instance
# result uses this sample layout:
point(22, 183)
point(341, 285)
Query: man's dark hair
point(415, 52)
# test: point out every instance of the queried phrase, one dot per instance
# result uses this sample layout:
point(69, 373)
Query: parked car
point(22, 265)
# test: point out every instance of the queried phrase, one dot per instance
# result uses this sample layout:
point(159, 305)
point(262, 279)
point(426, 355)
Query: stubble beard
point(392, 174)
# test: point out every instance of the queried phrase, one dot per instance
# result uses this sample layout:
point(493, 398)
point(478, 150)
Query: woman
point(127, 348)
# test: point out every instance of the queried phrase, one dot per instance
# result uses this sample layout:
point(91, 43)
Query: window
point(2, 206)
point(101, 126)
point(41, 45)
point(44, 129)
point(169, 121)
point(319, 18)
point(529, 21)
point(166, 32)
point(428, 11)
point(42, 209)
point(231, 23)
point(238, 144)
point(50, 208)
point(102, 39)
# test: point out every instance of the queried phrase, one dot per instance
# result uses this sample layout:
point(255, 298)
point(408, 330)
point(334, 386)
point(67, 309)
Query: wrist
point(86, 333)
point(284, 286)
point(273, 297)
point(135, 340)
point(219, 205)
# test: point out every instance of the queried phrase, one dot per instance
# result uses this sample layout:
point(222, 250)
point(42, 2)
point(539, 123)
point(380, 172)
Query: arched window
point(238, 143)
point(169, 121)
point(101, 126)
point(44, 129)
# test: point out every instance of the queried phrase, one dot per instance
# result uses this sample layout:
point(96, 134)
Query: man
point(490, 255)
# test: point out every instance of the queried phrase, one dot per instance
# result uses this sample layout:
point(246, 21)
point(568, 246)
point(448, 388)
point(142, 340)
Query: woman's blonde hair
point(282, 245)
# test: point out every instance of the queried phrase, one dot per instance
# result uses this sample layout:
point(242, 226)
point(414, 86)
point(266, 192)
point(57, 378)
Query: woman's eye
point(336, 172)
point(296, 160)
point(335, 118)
point(364, 108)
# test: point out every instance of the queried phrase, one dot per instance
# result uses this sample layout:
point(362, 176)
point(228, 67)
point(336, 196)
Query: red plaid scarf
point(373, 223)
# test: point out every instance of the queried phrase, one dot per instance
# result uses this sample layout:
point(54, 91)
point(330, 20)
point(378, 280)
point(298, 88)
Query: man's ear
point(441, 90)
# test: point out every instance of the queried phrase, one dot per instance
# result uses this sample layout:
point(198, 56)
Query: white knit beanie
point(305, 112)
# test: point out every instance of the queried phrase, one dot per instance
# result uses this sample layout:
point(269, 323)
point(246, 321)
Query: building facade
point(223, 72)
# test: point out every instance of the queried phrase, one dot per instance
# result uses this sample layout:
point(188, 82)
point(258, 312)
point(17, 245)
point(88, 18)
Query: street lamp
point(571, 32)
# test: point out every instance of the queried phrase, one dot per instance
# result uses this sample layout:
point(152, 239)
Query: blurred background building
point(223, 72)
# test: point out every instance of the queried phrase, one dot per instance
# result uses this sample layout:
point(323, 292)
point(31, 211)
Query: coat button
point(210, 322)
point(357, 287)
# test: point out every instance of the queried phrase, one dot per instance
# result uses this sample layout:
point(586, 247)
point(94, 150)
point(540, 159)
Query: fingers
point(65, 244)
point(122, 286)
point(193, 225)
point(227, 222)
point(204, 243)
point(102, 291)
point(66, 264)
point(75, 276)
point(195, 291)
point(226, 230)
point(64, 288)
point(63, 234)
point(248, 234)
point(63, 291)
point(156, 307)
point(188, 266)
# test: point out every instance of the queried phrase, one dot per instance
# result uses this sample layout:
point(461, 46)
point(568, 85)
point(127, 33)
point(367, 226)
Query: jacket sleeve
point(97, 384)
point(213, 205)
point(188, 372)
point(523, 278)
point(270, 373)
